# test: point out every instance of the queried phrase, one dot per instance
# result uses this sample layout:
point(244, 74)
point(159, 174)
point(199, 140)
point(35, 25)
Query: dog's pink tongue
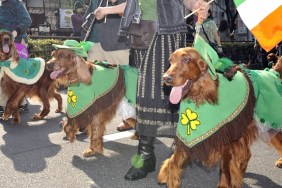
point(55, 74)
point(6, 49)
point(175, 94)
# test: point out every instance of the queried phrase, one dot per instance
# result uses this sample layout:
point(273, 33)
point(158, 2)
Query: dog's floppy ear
point(83, 72)
point(202, 65)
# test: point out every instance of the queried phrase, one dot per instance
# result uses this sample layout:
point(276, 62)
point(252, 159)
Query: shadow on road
point(25, 144)
point(262, 180)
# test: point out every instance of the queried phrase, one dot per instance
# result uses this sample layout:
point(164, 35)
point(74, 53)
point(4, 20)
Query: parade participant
point(155, 115)
point(110, 47)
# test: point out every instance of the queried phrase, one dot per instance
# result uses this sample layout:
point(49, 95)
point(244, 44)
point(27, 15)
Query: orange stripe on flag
point(269, 31)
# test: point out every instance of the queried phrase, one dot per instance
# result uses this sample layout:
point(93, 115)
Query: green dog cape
point(81, 96)
point(26, 71)
point(198, 123)
point(268, 91)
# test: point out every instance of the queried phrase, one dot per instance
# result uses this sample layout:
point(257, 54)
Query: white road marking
point(117, 136)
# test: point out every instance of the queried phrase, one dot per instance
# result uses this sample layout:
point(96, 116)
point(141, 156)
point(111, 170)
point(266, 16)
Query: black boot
point(145, 161)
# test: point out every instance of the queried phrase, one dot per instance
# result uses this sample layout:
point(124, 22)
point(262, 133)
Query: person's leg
point(145, 160)
point(155, 115)
point(3, 101)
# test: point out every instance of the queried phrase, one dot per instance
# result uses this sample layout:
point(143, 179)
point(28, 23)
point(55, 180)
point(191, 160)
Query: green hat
point(211, 57)
point(79, 48)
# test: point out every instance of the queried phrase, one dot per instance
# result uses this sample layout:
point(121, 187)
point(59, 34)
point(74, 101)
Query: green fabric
point(149, 9)
point(26, 71)
point(268, 91)
point(207, 53)
point(130, 76)
point(198, 123)
point(81, 96)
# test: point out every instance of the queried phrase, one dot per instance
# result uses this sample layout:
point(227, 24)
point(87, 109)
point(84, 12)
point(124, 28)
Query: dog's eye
point(186, 60)
point(61, 55)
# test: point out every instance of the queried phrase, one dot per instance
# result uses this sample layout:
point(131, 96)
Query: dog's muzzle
point(168, 78)
point(5, 44)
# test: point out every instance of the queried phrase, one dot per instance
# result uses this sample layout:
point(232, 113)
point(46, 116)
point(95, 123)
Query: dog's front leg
point(43, 95)
point(276, 142)
point(59, 99)
point(12, 106)
point(171, 169)
point(97, 128)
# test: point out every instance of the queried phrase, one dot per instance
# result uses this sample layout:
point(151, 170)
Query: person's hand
point(219, 49)
point(203, 7)
point(100, 13)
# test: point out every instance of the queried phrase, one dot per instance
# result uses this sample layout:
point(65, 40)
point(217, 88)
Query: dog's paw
point(59, 111)
point(279, 163)
point(36, 117)
point(88, 152)
point(16, 121)
point(5, 117)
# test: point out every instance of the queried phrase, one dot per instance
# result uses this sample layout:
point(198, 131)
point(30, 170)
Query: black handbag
point(141, 34)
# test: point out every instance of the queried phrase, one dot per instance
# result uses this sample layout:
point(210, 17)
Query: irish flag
point(264, 19)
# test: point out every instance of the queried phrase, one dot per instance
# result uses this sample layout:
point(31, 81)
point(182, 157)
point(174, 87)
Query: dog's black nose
point(6, 40)
point(168, 78)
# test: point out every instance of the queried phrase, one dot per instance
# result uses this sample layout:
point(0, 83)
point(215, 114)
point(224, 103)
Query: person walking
point(107, 45)
point(156, 116)
point(209, 31)
point(77, 18)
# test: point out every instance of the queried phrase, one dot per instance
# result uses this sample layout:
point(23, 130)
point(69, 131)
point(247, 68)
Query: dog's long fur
point(230, 146)
point(45, 88)
point(103, 110)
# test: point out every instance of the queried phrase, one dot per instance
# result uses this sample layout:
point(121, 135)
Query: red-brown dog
point(44, 88)
point(94, 117)
point(230, 144)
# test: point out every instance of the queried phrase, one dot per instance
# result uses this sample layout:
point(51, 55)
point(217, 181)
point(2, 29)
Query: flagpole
point(197, 10)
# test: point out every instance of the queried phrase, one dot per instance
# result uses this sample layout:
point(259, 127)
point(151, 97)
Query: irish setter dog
point(96, 114)
point(45, 88)
point(229, 146)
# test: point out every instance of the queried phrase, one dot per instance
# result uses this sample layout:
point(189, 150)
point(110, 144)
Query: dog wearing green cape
point(22, 77)
point(95, 92)
point(224, 108)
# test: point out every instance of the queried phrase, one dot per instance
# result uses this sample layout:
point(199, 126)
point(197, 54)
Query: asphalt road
point(37, 155)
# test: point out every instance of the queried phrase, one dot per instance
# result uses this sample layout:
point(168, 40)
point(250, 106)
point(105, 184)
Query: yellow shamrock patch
point(72, 98)
point(190, 120)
